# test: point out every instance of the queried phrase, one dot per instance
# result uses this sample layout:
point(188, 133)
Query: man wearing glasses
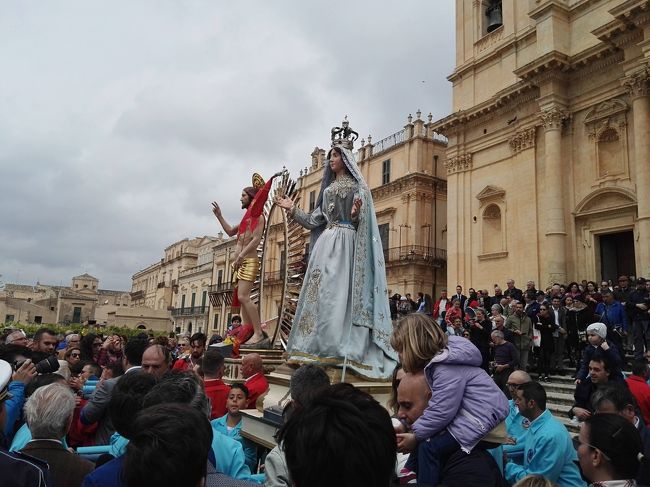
point(17, 337)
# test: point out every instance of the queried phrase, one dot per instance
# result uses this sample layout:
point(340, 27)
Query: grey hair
point(15, 335)
point(48, 411)
point(497, 333)
point(69, 337)
point(496, 306)
point(306, 381)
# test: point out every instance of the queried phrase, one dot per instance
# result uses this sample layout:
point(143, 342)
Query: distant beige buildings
point(80, 302)
point(547, 165)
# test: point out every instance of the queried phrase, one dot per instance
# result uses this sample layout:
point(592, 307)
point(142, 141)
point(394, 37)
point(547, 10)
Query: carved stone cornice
point(459, 163)
point(523, 139)
point(503, 101)
point(638, 83)
point(550, 66)
point(418, 182)
point(553, 118)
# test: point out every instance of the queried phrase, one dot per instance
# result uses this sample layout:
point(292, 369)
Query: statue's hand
point(356, 206)
point(285, 202)
point(215, 209)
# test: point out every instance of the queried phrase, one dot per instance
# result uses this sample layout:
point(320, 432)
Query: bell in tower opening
point(493, 13)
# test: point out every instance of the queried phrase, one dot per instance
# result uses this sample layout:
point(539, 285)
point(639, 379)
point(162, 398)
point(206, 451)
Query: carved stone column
point(553, 196)
point(638, 85)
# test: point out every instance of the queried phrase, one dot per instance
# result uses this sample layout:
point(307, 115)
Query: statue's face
point(336, 162)
point(245, 200)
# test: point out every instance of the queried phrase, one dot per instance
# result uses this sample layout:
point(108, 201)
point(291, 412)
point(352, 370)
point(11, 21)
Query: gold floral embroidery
point(306, 324)
point(343, 185)
point(311, 292)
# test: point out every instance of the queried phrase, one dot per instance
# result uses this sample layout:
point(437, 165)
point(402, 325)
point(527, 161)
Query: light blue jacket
point(250, 452)
point(24, 436)
point(548, 451)
point(515, 427)
point(230, 459)
point(13, 407)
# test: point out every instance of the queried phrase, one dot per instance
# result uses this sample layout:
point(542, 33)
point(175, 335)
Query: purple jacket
point(464, 399)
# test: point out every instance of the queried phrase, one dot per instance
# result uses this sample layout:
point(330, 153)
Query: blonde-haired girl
point(465, 402)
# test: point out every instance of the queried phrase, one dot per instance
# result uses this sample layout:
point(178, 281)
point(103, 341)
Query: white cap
point(5, 377)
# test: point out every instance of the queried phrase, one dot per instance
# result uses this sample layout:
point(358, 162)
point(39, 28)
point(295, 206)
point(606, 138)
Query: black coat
point(546, 326)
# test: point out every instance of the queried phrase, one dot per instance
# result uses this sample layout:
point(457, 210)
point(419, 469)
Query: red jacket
point(217, 391)
point(437, 310)
point(641, 392)
point(256, 385)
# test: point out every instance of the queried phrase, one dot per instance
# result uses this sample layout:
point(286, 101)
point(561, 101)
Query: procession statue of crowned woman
point(342, 318)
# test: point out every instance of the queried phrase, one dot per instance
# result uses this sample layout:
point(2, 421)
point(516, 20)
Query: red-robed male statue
point(246, 264)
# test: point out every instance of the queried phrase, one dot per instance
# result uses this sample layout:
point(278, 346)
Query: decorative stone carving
point(490, 193)
point(610, 113)
point(638, 84)
point(523, 139)
point(460, 163)
point(606, 126)
point(553, 118)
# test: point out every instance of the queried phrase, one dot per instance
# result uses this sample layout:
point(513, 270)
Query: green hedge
point(30, 329)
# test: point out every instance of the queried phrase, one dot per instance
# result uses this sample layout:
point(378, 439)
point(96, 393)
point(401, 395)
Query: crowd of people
point(73, 411)
point(98, 410)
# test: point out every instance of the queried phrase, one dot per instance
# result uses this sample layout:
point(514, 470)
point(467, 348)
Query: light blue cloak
point(343, 316)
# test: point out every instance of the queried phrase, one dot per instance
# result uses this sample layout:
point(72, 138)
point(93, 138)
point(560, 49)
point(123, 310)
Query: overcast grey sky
point(121, 121)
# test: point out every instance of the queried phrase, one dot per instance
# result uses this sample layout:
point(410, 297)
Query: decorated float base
point(260, 429)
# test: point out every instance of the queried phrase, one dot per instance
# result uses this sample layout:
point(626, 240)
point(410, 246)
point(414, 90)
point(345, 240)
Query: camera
point(46, 366)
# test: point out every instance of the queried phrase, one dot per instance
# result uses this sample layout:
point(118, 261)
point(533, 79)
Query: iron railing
point(388, 142)
point(416, 254)
point(222, 287)
point(191, 311)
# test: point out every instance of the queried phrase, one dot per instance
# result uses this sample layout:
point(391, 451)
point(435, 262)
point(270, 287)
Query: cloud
point(121, 122)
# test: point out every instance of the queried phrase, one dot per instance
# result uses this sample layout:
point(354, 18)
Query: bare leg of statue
point(249, 311)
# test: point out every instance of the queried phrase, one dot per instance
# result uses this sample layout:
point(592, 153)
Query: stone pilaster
point(638, 86)
point(553, 117)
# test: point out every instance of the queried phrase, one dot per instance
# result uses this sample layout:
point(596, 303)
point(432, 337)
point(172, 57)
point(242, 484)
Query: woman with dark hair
point(546, 326)
point(479, 334)
point(610, 450)
point(578, 317)
point(90, 347)
point(573, 290)
point(342, 316)
point(592, 296)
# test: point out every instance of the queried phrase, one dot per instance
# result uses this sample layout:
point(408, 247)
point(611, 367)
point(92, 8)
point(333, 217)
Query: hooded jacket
point(464, 399)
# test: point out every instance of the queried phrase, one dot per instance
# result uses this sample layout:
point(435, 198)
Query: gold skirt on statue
point(247, 271)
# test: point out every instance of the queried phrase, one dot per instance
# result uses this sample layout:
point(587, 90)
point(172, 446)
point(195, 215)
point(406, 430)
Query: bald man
point(477, 468)
point(155, 360)
point(516, 424)
point(252, 370)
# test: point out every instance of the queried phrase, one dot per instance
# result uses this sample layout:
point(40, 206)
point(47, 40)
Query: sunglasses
point(75, 355)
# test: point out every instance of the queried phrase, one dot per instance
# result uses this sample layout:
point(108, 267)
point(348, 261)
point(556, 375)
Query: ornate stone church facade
point(548, 162)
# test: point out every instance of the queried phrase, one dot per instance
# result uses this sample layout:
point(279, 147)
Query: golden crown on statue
point(344, 136)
